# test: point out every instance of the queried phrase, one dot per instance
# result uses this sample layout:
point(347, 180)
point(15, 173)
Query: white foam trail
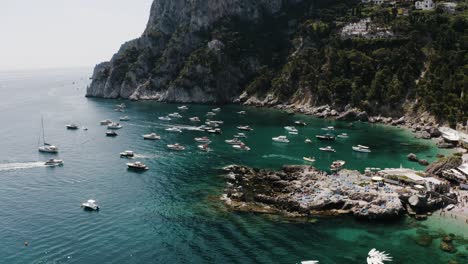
point(276, 156)
point(142, 156)
point(20, 166)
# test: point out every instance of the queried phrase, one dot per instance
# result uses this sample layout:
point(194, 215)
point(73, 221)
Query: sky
point(38, 34)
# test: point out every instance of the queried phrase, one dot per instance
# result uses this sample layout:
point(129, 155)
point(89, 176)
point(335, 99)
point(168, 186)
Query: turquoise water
point(171, 213)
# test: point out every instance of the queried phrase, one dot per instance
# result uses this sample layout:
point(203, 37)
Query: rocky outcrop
point(445, 163)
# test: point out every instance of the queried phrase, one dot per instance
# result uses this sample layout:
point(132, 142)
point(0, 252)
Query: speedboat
point(127, 154)
point(328, 149)
point(202, 140)
point(241, 147)
point(111, 134)
point(137, 166)
point(114, 126)
point(124, 118)
point(281, 139)
point(85, 128)
point(309, 262)
point(164, 118)
point(216, 109)
point(183, 107)
point(72, 127)
point(337, 165)
point(245, 128)
point(46, 148)
point(174, 129)
point(240, 135)
point(118, 109)
point(214, 131)
point(293, 133)
point(325, 137)
point(54, 162)
point(121, 105)
point(361, 148)
point(106, 122)
point(300, 123)
point(234, 141)
point(376, 257)
point(90, 205)
point(343, 135)
point(175, 115)
point(211, 124)
point(210, 114)
point(204, 147)
point(328, 128)
point(241, 112)
point(152, 136)
point(175, 146)
point(290, 129)
point(195, 119)
point(309, 159)
point(308, 141)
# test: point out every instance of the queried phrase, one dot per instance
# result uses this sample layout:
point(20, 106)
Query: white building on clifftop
point(425, 5)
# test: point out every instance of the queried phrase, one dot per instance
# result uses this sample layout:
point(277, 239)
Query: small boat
point(72, 127)
point(328, 149)
point(114, 126)
point(376, 257)
point(164, 118)
point(309, 159)
point(240, 135)
point(309, 262)
point(308, 141)
point(174, 129)
point(195, 119)
point(121, 105)
point(111, 134)
point(124, 118)
point(214, 131)
point(205, 147)
point(54, 162)
point(234, 141)
point(241, 112)
point(343, 135)
point(293, 133)
point(137, 166)
point(216, 109)
point(90, 205)
point(211, 124)
point(85, 128)
point(183, 107)
point(300, 123)
point(106, 122)
point(291, 129)
point(450, 207)
point(325, 137)
point(210, 114)
point(337, 165)
point(152, 136)
point(175, 146)
point(241, 147)
point(245, 128)
point(127, 154)
point(46, 147)
point(328, 128)
point(174, 115)
point(361, 148)
point(119, 109)
point(281, 139)
point(202, 140)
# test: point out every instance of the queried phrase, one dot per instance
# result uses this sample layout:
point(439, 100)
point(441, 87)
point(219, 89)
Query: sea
point(172, 212)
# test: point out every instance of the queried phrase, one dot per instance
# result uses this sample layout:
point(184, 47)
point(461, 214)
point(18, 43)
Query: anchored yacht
point(152, 136)
point(281, 139)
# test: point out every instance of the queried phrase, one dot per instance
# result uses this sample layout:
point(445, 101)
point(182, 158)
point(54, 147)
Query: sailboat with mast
point(46, 147)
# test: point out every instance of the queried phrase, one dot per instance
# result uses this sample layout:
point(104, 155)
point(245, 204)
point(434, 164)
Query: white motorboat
point(240, 135)
point(216, 109)
point(450, 207)
point(281, 139)
point(174, 115)
point(54, 162)
point(151, 136)
point(234, 141)
point(205, 147)
point(245, 128)
point(202, 140)
point(72, 127)
point(300, 123)
point(111, 134)
point(325, 137)
point(329, 128)
point(85, 128)
point(183, 107)
point(291, 129)
point(214, 131)
point(361, 148)
point(210, 114)
point(211, 124)
point(328, 149)
point(90, 205)
point(164, 118)
point(241, 147)
point(122, 105)
point(241, 112)
point(114, 126)
point(377, 257)
point(308, 141)
point(195, 119)
point(309, 262)
point(118, 109)
point(175, 146)
point(106, 122)
point(124, 118)
point(46, 147)
point(293, 133)
point(309, 159)
point(127, 154)
point(337, 165)
point(174, 129)
point(343, 135)
point(137, 166)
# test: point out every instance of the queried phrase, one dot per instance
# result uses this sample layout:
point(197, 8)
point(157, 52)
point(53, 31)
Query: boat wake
point(190, 128)
point(21, 166)
point(276, 156)
point(143, 156)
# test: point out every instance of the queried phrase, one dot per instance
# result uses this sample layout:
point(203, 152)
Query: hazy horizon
point(67, 34)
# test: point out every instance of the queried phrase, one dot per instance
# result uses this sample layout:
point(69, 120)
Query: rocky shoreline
point(302, 191)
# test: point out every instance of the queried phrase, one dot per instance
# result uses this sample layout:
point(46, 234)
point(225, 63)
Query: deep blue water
point(171, 213)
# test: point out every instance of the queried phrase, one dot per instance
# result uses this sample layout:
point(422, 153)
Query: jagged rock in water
point(437, 167)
